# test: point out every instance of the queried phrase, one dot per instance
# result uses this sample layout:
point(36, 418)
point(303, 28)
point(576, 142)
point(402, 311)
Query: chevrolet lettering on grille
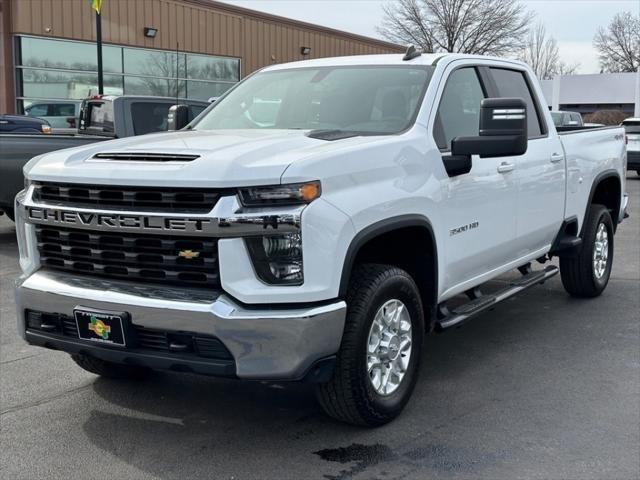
point(117, 221)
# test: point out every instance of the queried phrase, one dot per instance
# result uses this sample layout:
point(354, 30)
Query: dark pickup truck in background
point(101, 118)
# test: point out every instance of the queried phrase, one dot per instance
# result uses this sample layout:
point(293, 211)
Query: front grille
point(633, 158)
point(130, 256)
point(139, 337)
point(148, 199)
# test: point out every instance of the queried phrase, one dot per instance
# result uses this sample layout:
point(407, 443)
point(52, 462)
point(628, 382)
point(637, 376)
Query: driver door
point(479, 208)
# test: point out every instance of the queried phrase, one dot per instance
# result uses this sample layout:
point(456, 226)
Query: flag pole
point(99, 45)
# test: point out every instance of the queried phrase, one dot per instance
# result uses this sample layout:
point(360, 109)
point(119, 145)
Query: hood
point(227, 158)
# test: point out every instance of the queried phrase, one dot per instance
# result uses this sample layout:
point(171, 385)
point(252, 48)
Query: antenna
point(411, 53)
point(177, 73)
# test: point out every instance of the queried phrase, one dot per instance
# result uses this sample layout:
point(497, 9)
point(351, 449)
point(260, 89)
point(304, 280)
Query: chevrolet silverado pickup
point(315, 224)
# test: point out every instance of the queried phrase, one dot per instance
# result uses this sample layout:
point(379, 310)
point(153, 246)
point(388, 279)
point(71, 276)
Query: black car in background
point(23, 124)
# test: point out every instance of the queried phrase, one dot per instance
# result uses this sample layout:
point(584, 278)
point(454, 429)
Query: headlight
point(291, 194)
point(277, 259)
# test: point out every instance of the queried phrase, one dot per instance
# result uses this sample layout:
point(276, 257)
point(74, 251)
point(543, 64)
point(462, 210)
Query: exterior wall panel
point(198, 26)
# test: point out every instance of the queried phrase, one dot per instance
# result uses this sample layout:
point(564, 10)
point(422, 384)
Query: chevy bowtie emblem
point(188, 254)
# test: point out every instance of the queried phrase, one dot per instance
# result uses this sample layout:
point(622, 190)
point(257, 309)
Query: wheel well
point(607, 192)
point(413, 249)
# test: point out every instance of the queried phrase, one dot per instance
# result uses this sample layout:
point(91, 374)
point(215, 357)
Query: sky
point(573, 23)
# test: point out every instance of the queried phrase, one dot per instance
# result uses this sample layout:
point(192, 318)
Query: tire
point(110, 369)
point(350, 396)
point(579, 274)
point(10, 213)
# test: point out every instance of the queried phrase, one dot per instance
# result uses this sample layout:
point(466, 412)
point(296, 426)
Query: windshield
point(631, 127)
point(367, 100)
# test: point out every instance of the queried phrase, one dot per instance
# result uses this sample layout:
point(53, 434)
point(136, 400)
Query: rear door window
point(514, 84)
point(63, 110)
point(38, 110)
point(99, 117)
point(149, 117)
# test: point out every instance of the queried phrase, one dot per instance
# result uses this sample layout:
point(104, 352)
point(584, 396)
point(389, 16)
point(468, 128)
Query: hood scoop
point(144, 157)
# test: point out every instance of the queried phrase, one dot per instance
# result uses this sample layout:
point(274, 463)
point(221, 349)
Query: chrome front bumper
point(267, 343)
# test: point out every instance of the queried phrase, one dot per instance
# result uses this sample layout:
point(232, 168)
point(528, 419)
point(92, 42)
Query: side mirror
point(178, 117)
point(503, 133)
point(503, 130)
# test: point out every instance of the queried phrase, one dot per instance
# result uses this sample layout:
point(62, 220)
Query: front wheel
point(10, 213)
point(587, 274)
point(378, 361)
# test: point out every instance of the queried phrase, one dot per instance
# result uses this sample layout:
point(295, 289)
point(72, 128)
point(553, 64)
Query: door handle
point(505, 167)
point(556, 157)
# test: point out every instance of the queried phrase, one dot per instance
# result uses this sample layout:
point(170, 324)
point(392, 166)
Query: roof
point(385, 59)
point(24, 119)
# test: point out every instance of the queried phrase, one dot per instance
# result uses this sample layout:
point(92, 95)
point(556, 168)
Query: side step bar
point(455, 318)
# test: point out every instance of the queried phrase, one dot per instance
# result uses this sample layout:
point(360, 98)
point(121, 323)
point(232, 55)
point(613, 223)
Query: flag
point(96, 5)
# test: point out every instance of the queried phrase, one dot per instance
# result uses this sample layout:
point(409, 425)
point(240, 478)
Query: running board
point(461, 314)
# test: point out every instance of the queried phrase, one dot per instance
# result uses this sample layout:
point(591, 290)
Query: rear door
point(540, 172)
point(479, 208)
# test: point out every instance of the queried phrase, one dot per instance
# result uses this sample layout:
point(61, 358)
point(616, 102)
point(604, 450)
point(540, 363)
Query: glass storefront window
point(44, 53)
point(153, 63)
point(206, 90)
point(59, 84)
point(202, 67)
point(62, 69)
point(160, 87)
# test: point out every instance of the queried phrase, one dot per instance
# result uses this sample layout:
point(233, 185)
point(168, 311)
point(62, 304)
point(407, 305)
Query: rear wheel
point(378, 361)
point(109, 369)
point(587, 274)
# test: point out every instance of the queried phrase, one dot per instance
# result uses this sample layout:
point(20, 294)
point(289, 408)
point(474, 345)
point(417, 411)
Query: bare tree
point(542, 54)
point(618, 45)
point(486, 27)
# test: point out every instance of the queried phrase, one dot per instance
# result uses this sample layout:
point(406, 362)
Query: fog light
point(277, 259)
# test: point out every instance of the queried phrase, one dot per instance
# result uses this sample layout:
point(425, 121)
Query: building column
point(7, 75)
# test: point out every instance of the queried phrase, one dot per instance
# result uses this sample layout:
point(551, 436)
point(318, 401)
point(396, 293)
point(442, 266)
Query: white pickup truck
point(314, 224)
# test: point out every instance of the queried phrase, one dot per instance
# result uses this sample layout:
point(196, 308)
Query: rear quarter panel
point(590, 154)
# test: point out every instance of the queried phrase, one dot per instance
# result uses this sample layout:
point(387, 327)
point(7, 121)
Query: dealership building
point(590, 93)
point(187, 48)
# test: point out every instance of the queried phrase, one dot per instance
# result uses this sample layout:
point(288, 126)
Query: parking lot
point(543, 386)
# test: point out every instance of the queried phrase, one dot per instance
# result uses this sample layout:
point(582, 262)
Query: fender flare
point(610, 173)
point(379, 228)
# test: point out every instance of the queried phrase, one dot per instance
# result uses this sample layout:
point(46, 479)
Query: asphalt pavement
point(542, 387)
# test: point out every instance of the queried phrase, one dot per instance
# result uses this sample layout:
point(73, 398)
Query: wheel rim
point(389, 347)
point(601, 251)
